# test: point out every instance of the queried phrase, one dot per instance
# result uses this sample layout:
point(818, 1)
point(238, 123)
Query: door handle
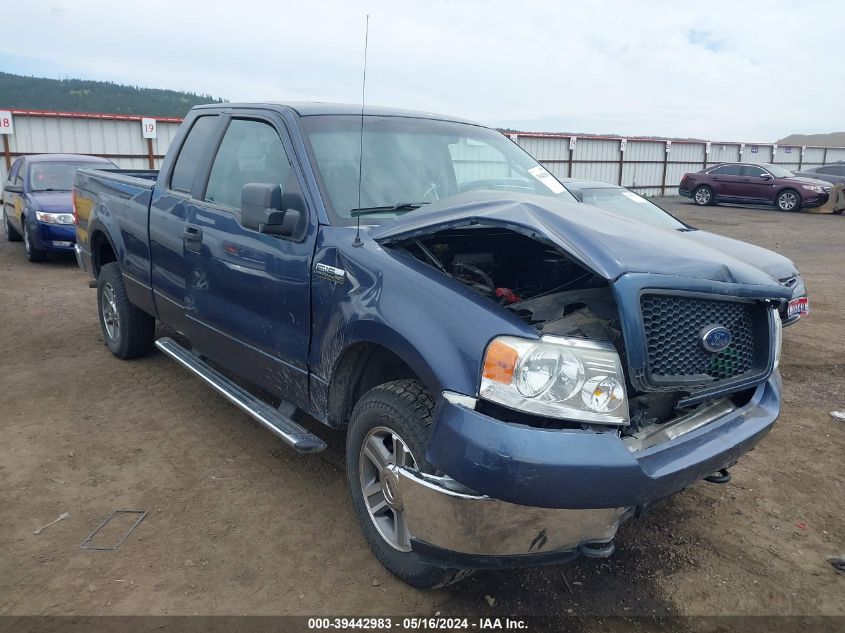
point(193, 238)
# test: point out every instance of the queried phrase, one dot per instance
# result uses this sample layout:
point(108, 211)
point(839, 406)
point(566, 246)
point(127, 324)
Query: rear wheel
point(788, 200)
point(11, 234)
point(703, 196)
point(391, 425)
point(127, 331)
point(33, 254)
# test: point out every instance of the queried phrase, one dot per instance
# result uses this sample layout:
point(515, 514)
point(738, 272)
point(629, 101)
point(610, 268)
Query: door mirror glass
point(261, 210)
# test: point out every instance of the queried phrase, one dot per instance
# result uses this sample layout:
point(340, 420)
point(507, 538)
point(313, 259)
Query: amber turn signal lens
point(500, 362)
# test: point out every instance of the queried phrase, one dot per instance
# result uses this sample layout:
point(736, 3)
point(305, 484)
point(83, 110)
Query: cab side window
point(251, 152)
point(191, 153)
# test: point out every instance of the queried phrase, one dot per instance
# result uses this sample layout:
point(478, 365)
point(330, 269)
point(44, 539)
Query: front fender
point(436, 325)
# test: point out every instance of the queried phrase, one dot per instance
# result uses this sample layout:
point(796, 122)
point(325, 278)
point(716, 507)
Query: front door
point(248, 294)
point(755, 186)
point(13, 202)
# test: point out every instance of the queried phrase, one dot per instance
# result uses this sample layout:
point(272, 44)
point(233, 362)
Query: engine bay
point(548, 290)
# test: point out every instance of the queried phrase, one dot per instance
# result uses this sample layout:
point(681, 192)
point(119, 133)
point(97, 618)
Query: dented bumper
point(442, 515)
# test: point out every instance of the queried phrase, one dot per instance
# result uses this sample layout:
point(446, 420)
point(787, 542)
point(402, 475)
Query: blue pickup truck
point(517, 373)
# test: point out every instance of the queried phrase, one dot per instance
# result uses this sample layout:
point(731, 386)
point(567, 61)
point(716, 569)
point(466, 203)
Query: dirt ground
point(239, 523)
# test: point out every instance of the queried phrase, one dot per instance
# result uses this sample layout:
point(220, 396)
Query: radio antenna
point(357, 241)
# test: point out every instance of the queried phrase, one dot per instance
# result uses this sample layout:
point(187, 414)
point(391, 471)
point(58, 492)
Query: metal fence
point(655, 166)
point(649, 165)
point(113, 136)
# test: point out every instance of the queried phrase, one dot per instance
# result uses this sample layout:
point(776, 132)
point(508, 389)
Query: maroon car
point(748, 183)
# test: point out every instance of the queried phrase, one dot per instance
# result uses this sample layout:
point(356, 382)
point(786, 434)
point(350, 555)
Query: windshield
point(56, 175)
point(777, 172)
point(409, 162)
point(630, 205)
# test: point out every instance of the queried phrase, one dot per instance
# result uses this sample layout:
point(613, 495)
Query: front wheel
point(127, 330)
point(703, 196)
point(788, 200)
point(390, 425)
point(33, 254)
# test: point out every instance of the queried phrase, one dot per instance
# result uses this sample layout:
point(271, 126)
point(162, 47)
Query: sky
point(736, 70)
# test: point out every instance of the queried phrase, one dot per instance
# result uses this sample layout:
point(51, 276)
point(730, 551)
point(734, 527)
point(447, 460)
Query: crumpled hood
point(52, 201)
point(606, 243)
point(777, 266)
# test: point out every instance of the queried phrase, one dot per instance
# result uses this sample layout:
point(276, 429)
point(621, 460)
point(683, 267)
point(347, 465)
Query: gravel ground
point(238, 523)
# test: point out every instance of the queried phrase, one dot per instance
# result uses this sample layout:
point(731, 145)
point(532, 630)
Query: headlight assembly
point(54, 218)
point(556, 377)
point(812, 188)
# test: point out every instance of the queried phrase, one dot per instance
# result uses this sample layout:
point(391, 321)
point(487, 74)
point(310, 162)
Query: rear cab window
point(192, 153)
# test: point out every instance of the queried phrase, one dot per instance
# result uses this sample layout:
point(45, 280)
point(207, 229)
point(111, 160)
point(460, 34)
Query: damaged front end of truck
point(654, 366)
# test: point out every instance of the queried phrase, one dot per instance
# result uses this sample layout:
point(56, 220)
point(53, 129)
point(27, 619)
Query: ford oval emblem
point(715, 338)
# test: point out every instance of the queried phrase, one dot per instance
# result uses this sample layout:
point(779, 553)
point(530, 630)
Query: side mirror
point(261, 210)
point(766, 176)
point(13, 188)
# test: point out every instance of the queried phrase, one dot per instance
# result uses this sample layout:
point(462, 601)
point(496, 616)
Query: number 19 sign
point(148, 127)
point(6, 124)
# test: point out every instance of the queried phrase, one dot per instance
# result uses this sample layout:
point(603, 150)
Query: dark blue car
point(37, 201)
point(518, 373)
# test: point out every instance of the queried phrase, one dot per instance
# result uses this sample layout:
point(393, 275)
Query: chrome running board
point(272, 419)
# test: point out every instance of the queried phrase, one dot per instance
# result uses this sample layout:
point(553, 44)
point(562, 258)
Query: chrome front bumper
point(439, 512)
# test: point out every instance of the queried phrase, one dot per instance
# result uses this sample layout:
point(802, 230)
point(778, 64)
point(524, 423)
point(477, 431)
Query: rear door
point(725, 181)
point(248, 295)
point(169, 219)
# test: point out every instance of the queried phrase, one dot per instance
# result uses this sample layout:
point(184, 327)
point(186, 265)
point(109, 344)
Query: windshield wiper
point(399, 206)
point(50, 189)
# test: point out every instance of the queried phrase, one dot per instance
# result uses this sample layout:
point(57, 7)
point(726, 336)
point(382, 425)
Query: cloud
point(720, 70)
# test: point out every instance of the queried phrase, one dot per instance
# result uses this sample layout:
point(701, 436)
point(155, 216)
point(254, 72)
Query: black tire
point(11, 234)
point(403, 407)
point(703, 196)
point(33, 254)
point(131, 333)
point(782, 204)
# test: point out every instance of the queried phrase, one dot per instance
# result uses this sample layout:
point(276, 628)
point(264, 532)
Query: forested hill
point(81, 95)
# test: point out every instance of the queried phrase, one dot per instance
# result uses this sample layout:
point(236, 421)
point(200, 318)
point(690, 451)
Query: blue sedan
point(37, 201)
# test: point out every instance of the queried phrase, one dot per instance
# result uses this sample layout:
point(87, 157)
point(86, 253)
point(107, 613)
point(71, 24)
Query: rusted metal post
point(665, 166)
point(569, 166)
point(6, 153)
point(824, 157)
point(150, 157)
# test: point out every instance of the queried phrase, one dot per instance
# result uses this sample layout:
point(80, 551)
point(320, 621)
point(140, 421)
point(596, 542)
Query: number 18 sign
point(6, 124)
point(148, 127)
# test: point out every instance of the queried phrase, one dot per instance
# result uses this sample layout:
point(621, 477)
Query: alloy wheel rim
point(5, 223)
point(26, 244)
point(702, 196)
point(382, 449)
point(787, 201)
point(111, 318)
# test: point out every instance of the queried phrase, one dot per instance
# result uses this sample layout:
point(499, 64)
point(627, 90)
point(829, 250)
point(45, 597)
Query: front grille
point(673, 329)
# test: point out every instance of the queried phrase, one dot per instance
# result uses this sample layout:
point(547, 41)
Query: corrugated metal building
point(117, 137)
point(650, 166)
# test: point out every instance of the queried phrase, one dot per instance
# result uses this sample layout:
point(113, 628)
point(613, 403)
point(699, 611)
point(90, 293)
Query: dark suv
point(754, 184)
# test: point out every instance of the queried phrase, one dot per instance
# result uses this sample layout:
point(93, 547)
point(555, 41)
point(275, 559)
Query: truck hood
point(52, 201)
point(776, 266)
point(608, 244)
